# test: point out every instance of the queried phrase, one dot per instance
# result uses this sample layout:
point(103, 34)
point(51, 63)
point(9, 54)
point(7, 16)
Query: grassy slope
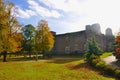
point(106, 54)
point(49, 70)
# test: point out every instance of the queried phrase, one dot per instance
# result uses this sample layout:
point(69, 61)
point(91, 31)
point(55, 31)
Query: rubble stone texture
point(76, 42)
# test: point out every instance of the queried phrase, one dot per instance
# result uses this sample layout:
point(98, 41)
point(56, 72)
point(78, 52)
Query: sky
point(66, 16)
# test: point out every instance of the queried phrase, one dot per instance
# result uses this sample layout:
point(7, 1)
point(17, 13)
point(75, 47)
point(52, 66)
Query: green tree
point(93, 49)
point(44, 39)
point(29, 33)
point(8, 29)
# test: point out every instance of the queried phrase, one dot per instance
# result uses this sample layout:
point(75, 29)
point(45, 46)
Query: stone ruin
point(76, 42)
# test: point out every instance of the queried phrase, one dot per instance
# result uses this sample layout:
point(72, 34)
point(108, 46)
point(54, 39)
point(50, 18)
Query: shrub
point(91, 58)
point(100, 65)
point(117, 73)
point(109, 70)
point(105, 68)
point(95, 61)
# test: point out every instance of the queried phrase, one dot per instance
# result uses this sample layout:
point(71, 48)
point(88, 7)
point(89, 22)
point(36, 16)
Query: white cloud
point(35, 9)
point(76, 13)
point(65, 5)
point(105, 12)
point(25, 13)
point(42, 10)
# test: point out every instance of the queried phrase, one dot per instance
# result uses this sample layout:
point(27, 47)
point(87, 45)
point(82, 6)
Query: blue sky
point(70, 15)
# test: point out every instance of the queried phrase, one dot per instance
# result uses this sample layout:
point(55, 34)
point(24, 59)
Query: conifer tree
point(93, 50)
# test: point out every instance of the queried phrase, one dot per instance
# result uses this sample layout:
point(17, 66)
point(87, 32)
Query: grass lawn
point(106, 54)
point(55, 69)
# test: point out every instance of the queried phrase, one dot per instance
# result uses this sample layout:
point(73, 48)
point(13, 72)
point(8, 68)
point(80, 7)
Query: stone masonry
point(76, 42)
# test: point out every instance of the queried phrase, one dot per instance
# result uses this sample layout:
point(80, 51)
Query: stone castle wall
point(76, 42)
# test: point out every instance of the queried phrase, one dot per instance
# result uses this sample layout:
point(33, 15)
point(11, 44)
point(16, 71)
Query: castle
point(76, 42)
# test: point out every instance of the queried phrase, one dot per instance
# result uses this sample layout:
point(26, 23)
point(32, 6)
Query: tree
point(28, 32)
point(93, 49)
point(9, 27)
point(44, 39)
point(117, 46)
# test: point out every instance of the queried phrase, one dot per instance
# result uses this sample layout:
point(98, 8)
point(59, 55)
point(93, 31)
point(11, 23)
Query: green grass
point(55, 69)
point(106, 54)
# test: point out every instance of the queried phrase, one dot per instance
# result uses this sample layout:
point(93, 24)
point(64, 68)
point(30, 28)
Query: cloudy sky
point(70, 15)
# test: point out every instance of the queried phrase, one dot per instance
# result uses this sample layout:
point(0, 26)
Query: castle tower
point(93, 29)
point(108, 32)
point(88, 28)
point(96, 28)
point(109, 39)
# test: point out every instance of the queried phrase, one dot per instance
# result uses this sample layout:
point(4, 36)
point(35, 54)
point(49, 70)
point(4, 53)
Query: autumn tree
point(29, 33)
point(10, 40)
point(117, 46)
point(44, 39)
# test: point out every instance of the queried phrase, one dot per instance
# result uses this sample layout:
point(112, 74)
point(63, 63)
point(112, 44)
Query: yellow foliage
point(10, 41)
point(44, 39)
point(16, 42)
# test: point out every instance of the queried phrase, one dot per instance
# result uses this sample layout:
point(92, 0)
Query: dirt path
point(111, 60)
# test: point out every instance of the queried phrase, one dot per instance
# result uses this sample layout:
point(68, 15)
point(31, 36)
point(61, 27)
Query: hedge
point(104, 68)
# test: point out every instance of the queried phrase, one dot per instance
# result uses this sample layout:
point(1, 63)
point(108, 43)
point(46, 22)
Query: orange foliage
point(117, 51)
point(18, 38)
point(117, 39)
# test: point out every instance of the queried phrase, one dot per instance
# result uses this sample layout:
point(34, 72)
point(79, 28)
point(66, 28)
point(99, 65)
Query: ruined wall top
point(94, 28)
point(108, 32)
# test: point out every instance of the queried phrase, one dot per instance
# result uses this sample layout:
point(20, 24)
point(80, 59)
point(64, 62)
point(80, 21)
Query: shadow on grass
point(63, 60)
point(75, 55)
point(80, 66)
point(20, 58)
point(86, 68)
point(115, 64)
point(56, 60)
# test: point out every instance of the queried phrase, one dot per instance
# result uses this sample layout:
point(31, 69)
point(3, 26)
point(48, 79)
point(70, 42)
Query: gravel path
point(111, 60)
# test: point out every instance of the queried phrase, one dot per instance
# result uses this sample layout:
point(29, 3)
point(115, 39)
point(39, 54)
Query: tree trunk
point(5, 56)
point(0, 54)
point(36, 56)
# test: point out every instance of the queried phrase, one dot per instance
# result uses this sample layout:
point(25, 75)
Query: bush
point(117, 73)
point(95, 61)
point(91, 58)
point(109, 70)
point(100, 65)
